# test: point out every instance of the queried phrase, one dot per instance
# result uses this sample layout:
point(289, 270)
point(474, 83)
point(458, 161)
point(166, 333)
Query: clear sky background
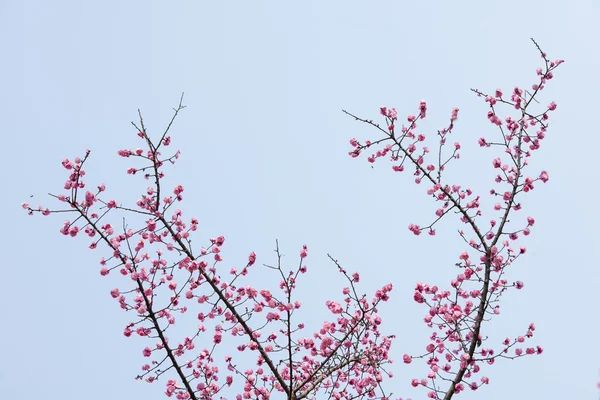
point(264, 156)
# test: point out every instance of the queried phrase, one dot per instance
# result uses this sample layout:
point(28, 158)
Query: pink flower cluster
point(163, 276)
point(456, 350)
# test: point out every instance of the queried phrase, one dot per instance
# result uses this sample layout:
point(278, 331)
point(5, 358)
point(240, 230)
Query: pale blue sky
point(265, 147)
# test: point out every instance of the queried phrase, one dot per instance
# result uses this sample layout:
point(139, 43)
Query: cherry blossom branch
point(403, 145)
point(306, 366)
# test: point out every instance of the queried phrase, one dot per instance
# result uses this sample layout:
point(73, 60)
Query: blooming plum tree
point(165, 275)
point(260, 330)
point(457, 347)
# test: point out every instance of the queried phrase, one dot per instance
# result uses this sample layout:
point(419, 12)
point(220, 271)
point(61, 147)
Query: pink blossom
point(334, 306)
point(147, 352)
point(304, 252)
point(519, 285)
point(217, 337)
point(423, 109)
point(252, 258)
point(178, 190)
point(416, 229)
point(393, 114)
point(67, 164)
point(454, 115)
